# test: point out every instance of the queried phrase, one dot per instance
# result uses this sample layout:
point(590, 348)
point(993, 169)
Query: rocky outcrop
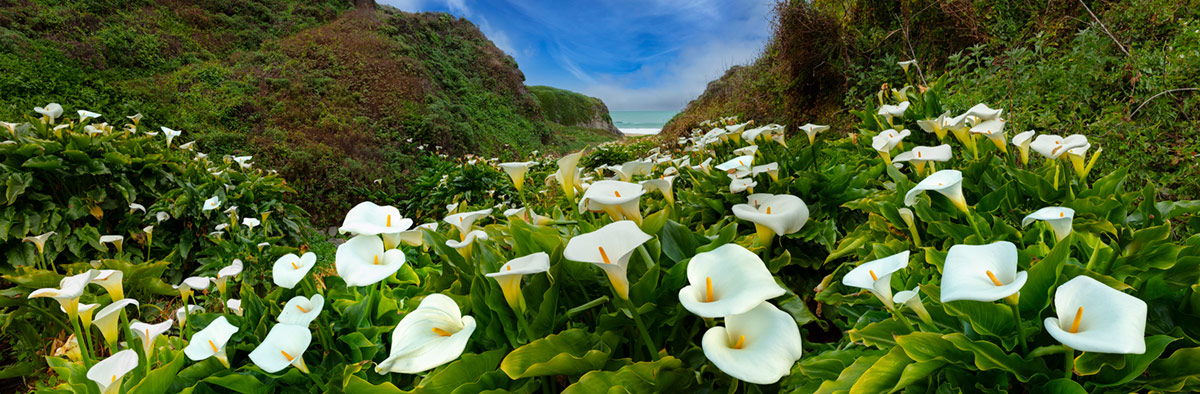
point(573, 109)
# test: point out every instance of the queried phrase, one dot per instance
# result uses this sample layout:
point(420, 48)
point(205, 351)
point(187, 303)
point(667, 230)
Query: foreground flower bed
point(740, 260)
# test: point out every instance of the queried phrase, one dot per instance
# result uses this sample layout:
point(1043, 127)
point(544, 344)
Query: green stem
point(589, 305)
point(1020, 333)
point(637, 319)
point(733, 385)
point(813, 148)
point(84, 352)
point(1069, 362)
point(975, 226)
point(645, 256)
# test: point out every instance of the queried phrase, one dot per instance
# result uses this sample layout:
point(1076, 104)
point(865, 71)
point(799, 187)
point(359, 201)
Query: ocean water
point(641, 122)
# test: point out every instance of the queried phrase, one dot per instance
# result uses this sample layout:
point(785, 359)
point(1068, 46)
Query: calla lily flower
point(750, 135)
point(780, 214)
point(149, 333)
point(234, 305)
point(704, 166)
point(1078, 154)
point(284, 345)
point(162, 216)
point(465, 222)
point(727, 281)
point(182, 313)
point(170, 134)
point(110, 280)
point(755, 200)
point(301, 311)
point(912, 299)
point(924, 154)
point(464, 245)
point(211, 341)
point(811, 130)
point(609, 248)
point(137, 207)
point(433, 334)
point(626, 171)
point(362, 261)
point(528, 215)
point(85, 313)
point(188, 146)
point(892, 111)
point(50, 112)
point(888, 140)
point(192, 283)
point(116, 240)
point(415, 237)
point(876, 276)
point(937, 126)
point(243, 161)
point(251, 223)
point(983, 113)
point(947, 182)
point(621, 200)
point(771, 169)
point(517, 171)
point(509, 276)
point(12, 128)
point(230, 271)
point(566, 173)
point(68, 291)
point(1022, 141)
point(740, 163)
point(746, 150)
point(994, 130)
point(905, 64)
point(107, 318)
point(662, 185)
point(1053, 146)
point(212, 203)
point(981, 272)
point(758, 346)
point(39, 241)
point(1059, 219)
point(741, 185)
point(110, 372)
point(1093, 317)
point(366, 218)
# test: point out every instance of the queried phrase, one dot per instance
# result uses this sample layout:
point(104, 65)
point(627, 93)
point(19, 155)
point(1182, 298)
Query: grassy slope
point(1047, 63)
point(569, 108)
point(332, 97)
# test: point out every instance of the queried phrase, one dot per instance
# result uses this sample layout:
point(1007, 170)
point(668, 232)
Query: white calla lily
point(621, 200)
point(243, 161)
point(465, 222)
point(234, 305)
point(1077, 154)
point(137, 207)
point(170, 134)
point(111, 280)
point(50, 112)
point(415, 237)
point(211, 341)
point(433, 334)
point(566, 173)
point(85, 115)
point(779, 214)
point(464, 245)
point(116, 240)
point(85, 313)
point(291, 269)
point(517, 171)
point(362, 261)
point(981, 112)
point(746, 150)
point(741, 185)
point(251, 223)
point(1052, 146)
point(1022, 141)
point(727, 281)
point(912, 299)
point(230, 271)
point(759, 346)
point(212, 203)
point(740, 163)
point(771, 169)
point(663, 185)
point(149, 333)
point(994, 131)
point(920, 155)
point(1093, 317)
point(39, 241)
point(946, 182)
point(181, 314)
point(106, 320)
point(191, 284)
point(509, 276)
point(886, 141)
point(1059, 219)
point(889, 112)
point(110, 372)
point(528, 215)
point(366, 218)
point(982, 273)
point(284, 345)
point(937, 126)
point(609, 248)
point(68, 291)
point(876, 276)
point(301, 310)
point(812, 130)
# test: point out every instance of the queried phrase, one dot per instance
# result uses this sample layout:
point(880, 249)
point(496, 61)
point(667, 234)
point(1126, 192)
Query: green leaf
point(1062, 386)
point(45, 162)
point(572, 352)
point(880, 334)
point(159, 379)
point(466, 369)
point(678, 242)
point(1179, 372)
point(245, 384)
point(1043, 275)
point(851, 374)
point(653, 223)
point(883, 375)
point(1135, 364)
point(16, 183)
point(959, 350)
point(987, 318)
point(666, 374)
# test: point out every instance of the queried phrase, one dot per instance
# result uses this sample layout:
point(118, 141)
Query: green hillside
point(332, 96)
point(573, 109)
point(1052, 64)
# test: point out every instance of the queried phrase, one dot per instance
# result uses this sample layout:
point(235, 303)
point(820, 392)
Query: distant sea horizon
point(641, 122)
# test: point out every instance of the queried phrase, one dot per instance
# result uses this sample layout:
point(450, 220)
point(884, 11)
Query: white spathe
point(291, 269)
point(212, 203)
point(663, 185)
point(812, 130)
point(888, 139)
point(892, 111)
point(366, 218)
point(465, 221)
point(609, 248)
point(284, 345)
point(782, 213)
point(946, 182)
point(106, 318)
point(1022, 141)
point(741, 185)
point(621, 200)
point(433, 334)
point(516, 171)
point(981, 272)
point(743, 163)
point(301, 310)
point(758, 346)
point(923, 154)
point(211, 341)
point(362, 261)
point(68, 291)
point(51, 111)
point(876, 276)
point(110, 372)
point(1109, 321)
point(148, 333)
point(528, 215)
point(469, 239)
point(510, 274)
point(1053, 146)
point(1059, 219)
point(39, 241)
point(111, 280)
point(414, 237)
point(726, 281)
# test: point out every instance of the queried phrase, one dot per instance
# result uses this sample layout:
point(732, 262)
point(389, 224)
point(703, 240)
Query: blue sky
point(635, 55)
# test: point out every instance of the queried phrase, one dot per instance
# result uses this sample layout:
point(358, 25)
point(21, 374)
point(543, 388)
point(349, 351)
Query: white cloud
point(499, 38)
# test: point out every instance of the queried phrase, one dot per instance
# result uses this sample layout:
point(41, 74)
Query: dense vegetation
point(1052, 64)
point(573, 109)
point(331, 96)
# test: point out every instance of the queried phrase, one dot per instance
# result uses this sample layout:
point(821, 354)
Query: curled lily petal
point(726, 281)
point(1093, 317)
point(981, 272)
point(758, 346)
point(433, 334)
point(291, 269)
point(1059, 219)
